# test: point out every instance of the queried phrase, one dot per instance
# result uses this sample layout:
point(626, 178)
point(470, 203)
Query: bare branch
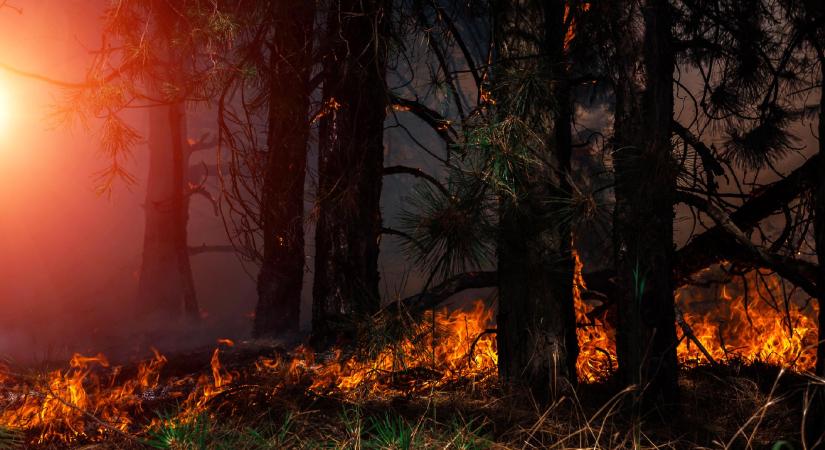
point(203, 248)
point(203, 192)
point(438, 294)
point(761, 256)
point(441, 125)
point(418, 173)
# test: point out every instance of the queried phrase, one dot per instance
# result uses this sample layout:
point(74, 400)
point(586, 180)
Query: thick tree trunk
point(166, 287)
point(282, 208)
point(643, 219)
point(351, 157)
point(536, 322)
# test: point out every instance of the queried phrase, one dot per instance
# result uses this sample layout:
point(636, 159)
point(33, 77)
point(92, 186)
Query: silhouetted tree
point(350, 167)
point(645, 189)
point(282, 200)
point(536, 321)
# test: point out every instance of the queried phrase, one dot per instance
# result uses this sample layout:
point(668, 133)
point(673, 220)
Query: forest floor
point(260, 396)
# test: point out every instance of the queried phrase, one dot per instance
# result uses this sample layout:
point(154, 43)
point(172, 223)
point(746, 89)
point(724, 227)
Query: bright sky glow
point(5, 109)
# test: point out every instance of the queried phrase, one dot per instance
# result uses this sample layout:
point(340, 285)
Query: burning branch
point(688, 332)
point(436, 121)
point(205, 142)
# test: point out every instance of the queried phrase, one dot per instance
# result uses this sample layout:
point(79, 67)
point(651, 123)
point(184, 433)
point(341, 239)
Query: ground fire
point(91, 399)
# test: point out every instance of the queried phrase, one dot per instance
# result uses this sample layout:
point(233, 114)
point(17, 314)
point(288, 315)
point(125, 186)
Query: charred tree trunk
point(282, 208)
point(351, 159)
point(166, 287)
point(643, 219)
point(536, 321)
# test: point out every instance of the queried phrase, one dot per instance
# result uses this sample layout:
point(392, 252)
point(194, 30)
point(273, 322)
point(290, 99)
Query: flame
point(226, 342)
point(597, 343)
point(75, 403)
point(91, 398)
point(463, 347)
point(750, 321)
point(735, 325)
point(570, 34)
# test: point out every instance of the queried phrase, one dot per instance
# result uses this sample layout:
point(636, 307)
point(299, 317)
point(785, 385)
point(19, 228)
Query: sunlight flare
point(5, 109)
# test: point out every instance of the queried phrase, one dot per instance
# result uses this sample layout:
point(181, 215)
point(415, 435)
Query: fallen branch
point(688, 332)
point(714, 244)
point(440, 293)
point(758, 255)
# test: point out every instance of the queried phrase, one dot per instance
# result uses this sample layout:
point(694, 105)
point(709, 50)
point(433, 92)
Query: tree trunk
point(819, 225)
point(166, 287)
point(536, 321)
point(815, 427)
point(643, 219)
point(282, 208)
point(351, 156)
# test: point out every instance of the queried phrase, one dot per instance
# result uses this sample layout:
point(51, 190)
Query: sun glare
point(5, 110)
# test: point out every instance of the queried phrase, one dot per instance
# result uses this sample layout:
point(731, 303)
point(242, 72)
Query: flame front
point(91, 399)
point(463, 347)
point(753, 318)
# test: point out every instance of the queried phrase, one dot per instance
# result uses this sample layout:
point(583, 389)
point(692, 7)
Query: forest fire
point(92, 399)
point(753, 318)
point(461, 348)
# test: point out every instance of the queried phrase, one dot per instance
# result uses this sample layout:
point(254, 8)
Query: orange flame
point(91, 398)
point(597, 343)
point(722, 324)
point(462, 347)
point(570, 34)
point(767, 330)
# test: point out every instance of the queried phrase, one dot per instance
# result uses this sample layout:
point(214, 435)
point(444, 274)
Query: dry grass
point(731, 407)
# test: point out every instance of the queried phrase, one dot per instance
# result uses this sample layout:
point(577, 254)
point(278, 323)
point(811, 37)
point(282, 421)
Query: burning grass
point(435, 386)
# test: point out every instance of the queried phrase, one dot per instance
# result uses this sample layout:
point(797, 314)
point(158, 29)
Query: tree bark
point(643, 219)
point(282, 207)
point(537, 344)
point(351, 157)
